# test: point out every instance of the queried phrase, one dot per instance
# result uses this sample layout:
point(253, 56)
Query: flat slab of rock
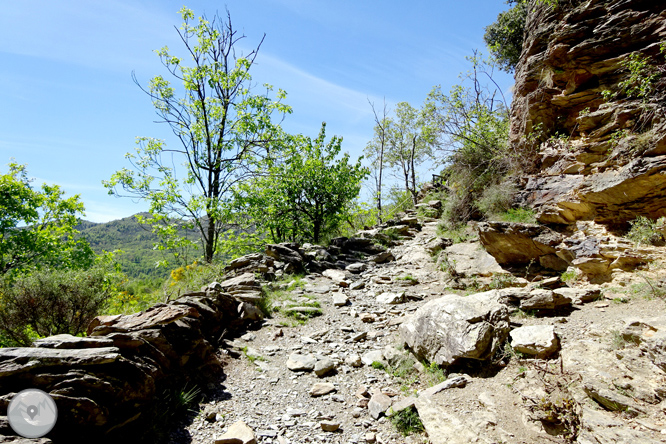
point(449, 427)
point(321, 389)
point(391, 298)
point(340, 277)
point(73, 342)
point(535, 340)
point(340, 299)
point(540, 299)
point(155, 316)
point(579, 295)
point(609, 399)
point(357, 285)
point(458, 381)
point(320, 289)
point(382, 258)
point(246, 281)
point(12, 359)
point(403, 404)
point(454, 327)
point(238, 433)
point(518, 243)
point(357, 267)
point(298, 362)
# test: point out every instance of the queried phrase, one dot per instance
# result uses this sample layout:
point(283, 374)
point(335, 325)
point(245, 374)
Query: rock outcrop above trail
point(109, 384)
point(599, 158)
point(586, 246)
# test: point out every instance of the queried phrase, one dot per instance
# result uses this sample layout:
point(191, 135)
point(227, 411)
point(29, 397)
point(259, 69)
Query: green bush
point(647, 231)
point(496, 199)
point(522, 215)
point(407, 422)
point(458, 209)
point(51, 302)
point(457, 233)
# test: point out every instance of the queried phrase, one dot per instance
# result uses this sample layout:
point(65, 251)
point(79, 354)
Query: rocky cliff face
point(599, 148)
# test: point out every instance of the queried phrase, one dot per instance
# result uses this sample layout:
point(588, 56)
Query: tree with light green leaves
point(411, 138)
point(37, 226)
point(307, 194)
point(225, 129)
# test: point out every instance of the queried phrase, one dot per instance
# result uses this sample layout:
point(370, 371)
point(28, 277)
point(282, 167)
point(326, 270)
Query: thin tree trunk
point(413, 154)
point(210, 240)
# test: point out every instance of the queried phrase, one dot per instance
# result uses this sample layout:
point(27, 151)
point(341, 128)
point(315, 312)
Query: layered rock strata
point(601, 150)
point(111, 383)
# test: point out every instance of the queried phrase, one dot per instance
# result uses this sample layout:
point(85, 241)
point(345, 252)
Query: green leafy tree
point(504, 37)
point(410, 141)
point(37, 226)
point(307, 193)
point(224, 128)
point(54, 301)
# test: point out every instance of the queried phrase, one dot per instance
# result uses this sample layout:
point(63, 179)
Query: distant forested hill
point(135, 240)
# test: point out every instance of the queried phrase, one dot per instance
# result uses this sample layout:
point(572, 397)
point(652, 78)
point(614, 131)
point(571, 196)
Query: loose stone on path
point(298, 362)
point(238, 433)
point(321, 389)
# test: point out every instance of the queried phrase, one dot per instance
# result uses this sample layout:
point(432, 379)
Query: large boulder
point(520, 244)
point(591, 248)
point(451, 328)
point(571, 54)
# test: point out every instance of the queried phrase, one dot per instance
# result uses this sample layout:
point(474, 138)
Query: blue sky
point(70, 111)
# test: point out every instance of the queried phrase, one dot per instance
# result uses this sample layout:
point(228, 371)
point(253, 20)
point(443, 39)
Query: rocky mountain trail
point(436, 336)
point(582, 365)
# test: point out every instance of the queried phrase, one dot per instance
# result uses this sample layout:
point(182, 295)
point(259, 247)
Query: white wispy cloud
point(317, 88)
point(103, 35)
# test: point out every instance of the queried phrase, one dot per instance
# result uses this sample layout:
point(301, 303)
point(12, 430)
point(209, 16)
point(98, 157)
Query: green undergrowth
point(407, 422)
point(646, 231)
point(521, 215)
point(171, 405)
point(278, 298)
point(457, 233)
point(409, 376)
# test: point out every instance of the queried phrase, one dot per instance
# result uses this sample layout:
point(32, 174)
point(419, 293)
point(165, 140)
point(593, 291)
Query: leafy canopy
point(37, 226)
point(411, 137)
point(504, 37)
point(307, 193)
point(224, 128)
